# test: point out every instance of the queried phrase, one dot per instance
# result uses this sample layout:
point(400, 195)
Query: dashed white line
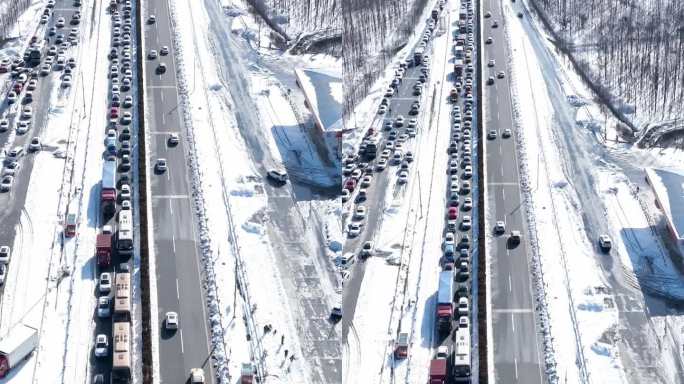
point(177, 291)
point(513, 322)
point(503, 196)
point(510, 284)
point(183, 351)
point(170, 208)
point(161, 96)
point(170, 196)
point(515, 363)
point(173, 243)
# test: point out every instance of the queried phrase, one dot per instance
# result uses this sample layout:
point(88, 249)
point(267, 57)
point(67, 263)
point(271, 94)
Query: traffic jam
point(391, 149)
point(454, 299)
point(43, 56)
point(115, 243)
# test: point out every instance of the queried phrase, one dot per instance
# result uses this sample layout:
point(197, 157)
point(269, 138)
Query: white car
point(354, 229)
point(442, 352)
point(103, 307)
point(367, 249)
point(105, 284)
point(466, 223)
point(366, 181)
point(6, 183)
point(360, 212)
point(506, 133)
point(491, 63)
point(164, 51)
point(500, 227)
point(171, 321)
point(605, 243)
point(3, 273)
point(125, 192)
point(399, 122)
point(4, 125)
point(5, 254)
point(277, 175)
point(126, 205)
point(152, 54)
point(196, 376)
point(161, 165)
point(403, 177)
point(449, 239)
point(101, 345)
point(35, 144)
point(381, 164)
point(27, 112)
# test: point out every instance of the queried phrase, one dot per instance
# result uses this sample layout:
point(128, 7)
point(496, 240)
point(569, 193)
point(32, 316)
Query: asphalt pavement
point(517, 356)
point(174, 233)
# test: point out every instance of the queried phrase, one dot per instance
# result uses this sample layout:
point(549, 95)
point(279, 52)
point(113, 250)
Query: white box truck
point(16, 346)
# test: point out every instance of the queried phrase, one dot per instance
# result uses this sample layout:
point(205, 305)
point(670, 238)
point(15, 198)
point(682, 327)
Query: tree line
point(631, 49)
point(373, 32)
point(9, 13)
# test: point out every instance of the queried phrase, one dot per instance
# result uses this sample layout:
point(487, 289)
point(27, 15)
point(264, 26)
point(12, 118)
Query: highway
point(517, 352)
point(174, 230)
point(12, 203)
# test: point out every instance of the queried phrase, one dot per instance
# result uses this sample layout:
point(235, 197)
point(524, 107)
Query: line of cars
point(40, 58)
point(114, 280)
point(392, 143)
point(453, 308)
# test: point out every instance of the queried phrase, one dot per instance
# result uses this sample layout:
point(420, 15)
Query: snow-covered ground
point(604, 322)
point(236, 238)
point(51, 280)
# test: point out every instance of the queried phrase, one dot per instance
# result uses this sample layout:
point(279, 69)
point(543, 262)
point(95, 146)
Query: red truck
point(438, 371)
point(104, 249)
point(70, 225)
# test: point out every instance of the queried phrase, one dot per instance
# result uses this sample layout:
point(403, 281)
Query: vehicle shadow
point(656, 273)
point(310, 179)
point(429, 335)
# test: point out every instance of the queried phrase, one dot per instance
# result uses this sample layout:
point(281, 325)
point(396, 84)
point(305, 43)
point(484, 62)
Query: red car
point(18, 86)
point(453, 213)
point(114, 113)
point(350, 184)
point(3, 68)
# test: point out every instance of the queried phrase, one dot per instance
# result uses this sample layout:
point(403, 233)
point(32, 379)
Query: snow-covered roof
point(323, 91)
point(668, 186)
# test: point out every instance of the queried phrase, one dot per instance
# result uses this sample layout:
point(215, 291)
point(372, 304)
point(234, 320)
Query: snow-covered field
point(595, 302)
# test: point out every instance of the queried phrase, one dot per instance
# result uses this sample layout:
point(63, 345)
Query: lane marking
point(177, 290)
point(170, 197)
point(510, 284)
point(163, 115)
point(168, 175)
point(515, 363)
point(161, 132)
point(513, 322)
point(503, 194)
point(514, 310)
point(173, 243)
point(503, 184)
point(183, 350)
point(161, 87)
point(170, 207)
point(161, 95)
